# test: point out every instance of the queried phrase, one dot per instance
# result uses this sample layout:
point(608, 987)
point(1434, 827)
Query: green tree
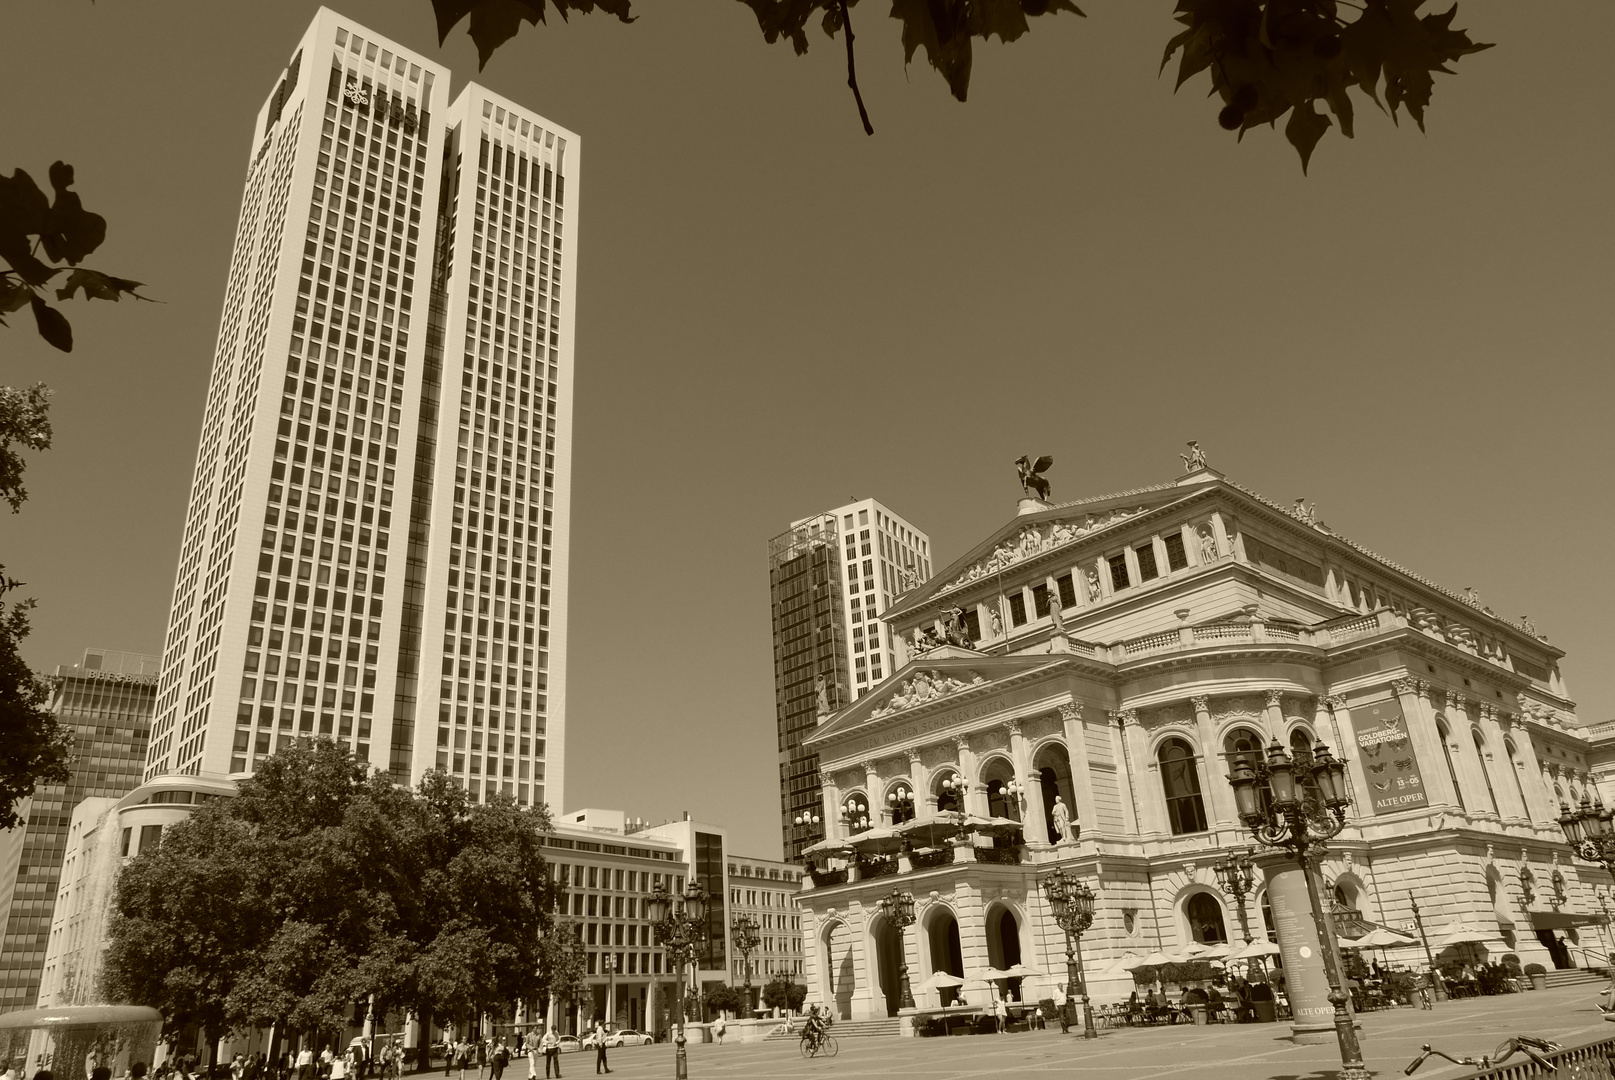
point(322, 883)
point(1265, 58)
point(562, 963)
point(782, 993)
point(725, 998)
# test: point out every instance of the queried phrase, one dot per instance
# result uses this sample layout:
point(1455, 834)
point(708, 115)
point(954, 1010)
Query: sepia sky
point(777, 314)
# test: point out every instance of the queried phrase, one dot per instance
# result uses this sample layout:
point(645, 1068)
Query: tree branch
point(852, 71)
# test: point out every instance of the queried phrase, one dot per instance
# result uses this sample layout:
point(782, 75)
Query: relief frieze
point(917, 729)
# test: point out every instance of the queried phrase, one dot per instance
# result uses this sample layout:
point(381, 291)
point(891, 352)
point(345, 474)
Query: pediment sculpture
point(923, 687)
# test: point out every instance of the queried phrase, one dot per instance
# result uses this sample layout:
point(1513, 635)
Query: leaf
point(945, 29)
point(1305, 128)
point(23, 212)
point(70, 232)
point(494, 22)
point(53, 325)
point(98, 286)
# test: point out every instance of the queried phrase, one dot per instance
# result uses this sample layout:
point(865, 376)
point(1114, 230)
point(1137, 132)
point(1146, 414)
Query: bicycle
point(1530, 1046)
point(824, 1043)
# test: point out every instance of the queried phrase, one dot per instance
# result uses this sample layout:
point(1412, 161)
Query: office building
point(764, 890)
point(105, 701)
point(375, 548)
point(830, 579)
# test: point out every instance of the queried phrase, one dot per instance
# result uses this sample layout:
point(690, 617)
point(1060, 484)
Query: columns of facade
point(919, 779)
point(1076, 752)
point(832, 806)
point(1421, 724)
point(1219, 793)
point(1347, 750)
point(1471, 765)
point(1273, 716)
point(970, 789)
point(1148, 798)
point(1031, 783)
point(1509, 795)
point(879, 812)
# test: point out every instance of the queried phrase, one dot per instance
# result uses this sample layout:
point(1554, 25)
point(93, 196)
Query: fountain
point(64, 1039)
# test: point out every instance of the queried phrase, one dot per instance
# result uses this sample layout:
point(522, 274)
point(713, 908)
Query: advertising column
point(1305, 982)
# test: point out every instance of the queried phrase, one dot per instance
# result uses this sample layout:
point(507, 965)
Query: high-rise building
point(105, 701)
point(830, 578)
point(375, 549)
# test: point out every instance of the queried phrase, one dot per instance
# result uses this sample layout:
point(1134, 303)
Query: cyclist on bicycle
point(814, 1029)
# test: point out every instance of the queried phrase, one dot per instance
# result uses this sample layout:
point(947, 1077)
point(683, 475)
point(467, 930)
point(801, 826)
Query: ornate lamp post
point(1072, 902)
point(680, 925)
point(1307, 808)
point(855, 815)
point(901, 802)
point(1591, 836)
point(1236, 873)
point(899, 910)
point(744, 929)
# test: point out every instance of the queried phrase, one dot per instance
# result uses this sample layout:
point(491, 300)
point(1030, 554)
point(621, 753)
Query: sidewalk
point(1222, 1052)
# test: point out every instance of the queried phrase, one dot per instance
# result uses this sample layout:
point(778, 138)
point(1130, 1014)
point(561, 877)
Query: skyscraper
point(386, 448)
point(830, 577)
point(105, 701)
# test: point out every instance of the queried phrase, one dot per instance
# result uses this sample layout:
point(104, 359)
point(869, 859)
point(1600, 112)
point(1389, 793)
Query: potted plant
point(1538, 976)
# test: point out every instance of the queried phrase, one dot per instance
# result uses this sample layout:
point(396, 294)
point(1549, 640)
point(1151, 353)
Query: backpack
point(502, 1056)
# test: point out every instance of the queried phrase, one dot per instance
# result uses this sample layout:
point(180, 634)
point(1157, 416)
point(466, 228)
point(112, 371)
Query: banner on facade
point(1392, 768)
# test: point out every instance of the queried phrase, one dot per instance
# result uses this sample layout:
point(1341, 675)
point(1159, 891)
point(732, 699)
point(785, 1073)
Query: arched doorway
point(1004, 943)
point(996, 775)
point(840, 972)
point(1204, 915)
point(1053, 768)
point(944, 948)
point(888, 963)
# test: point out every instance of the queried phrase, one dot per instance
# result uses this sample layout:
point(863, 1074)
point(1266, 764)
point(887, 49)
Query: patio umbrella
point(939, 979)
point(1194, 950)
point(1125, 962)
point(1256, 950)
point(932, 832)
point(991, 973)
point(1219, 951)
point(826, 847)
point(880, 841)
point(1461, 933)
point(1154, 959)
point(1021, 971)
point(1383, 937)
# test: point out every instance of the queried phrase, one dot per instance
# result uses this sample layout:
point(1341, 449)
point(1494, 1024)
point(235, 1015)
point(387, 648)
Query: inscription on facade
point(916, 729)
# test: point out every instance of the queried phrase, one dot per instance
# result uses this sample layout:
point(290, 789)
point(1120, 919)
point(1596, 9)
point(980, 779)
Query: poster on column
point(1392, 768)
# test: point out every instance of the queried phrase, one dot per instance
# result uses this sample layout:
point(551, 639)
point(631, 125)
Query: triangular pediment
point(941, 678)
point(1030, 535)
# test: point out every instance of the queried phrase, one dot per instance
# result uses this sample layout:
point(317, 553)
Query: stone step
point(1577, 976)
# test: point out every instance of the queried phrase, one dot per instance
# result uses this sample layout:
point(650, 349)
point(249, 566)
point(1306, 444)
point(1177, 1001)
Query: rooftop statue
point(1195, 458)
point(1030, 472)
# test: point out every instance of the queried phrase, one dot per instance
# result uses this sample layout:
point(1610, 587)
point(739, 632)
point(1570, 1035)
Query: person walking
point(551, 1045)
point(600, 1065)
point(305, 1063)
point(1061, 1001)
point(462, 1055)
point(499, 1059)
point(718, 1027)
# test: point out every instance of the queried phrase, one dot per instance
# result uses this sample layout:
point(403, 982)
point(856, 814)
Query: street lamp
point(1307, 807)
point(744, 929)
point(1073, 902)
point(1236, 873)
point(899, 911)
point(1589, 830)
point(855, 815)
point(901, 801)
point(680, 923)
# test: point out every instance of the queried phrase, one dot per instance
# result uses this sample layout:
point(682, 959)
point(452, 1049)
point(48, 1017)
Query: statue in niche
point(822, 689)
point(1030, 473)
point(1208, 544)
point(1093, 585)
point(1195, 458)
point(1061, 815)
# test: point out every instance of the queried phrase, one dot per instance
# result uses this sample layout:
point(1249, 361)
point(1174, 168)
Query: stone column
point(1031, 800)
point(1347, 749)
point(1220, 795)
point(1085, 813)
point(1150, 799)
point(919, 777)
point(967, 777)
point(879, 813)
point(1274, 717)
point(1469, 764)
point(1505, 781)
point(1421, 724)
point(832, 806)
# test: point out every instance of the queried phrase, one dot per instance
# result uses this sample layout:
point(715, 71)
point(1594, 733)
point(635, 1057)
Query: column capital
point(1128, 717)
point(868, 767)
point(961, 743)
point(1071, 710)
point(1335, 701)
point(1275, 698)
point(1408, 685)
point(913, 755)
point(1013, 727)
point(827, 779)
point(1201, 703)
point(1456, 702)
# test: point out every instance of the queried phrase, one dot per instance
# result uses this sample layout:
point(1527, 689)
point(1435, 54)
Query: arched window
point(1247, 744)
point(1514, 766)
point(1452, 770)
point(1559, 796)
point(1180, 783)
point(1301, 751)
point(900, 801)
point(855, 812)
point(949, 794)
point(1480, 755)
point(1205, 919)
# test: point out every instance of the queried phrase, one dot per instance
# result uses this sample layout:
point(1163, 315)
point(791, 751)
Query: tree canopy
point(782, 993)
point(322, 883)
point(1265, 58)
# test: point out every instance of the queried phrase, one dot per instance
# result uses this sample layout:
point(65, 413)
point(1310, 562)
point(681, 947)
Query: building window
point(1068, 591)
point(1480, 756)
point(1176, 557)
point(1146, 562)
point(1205, 919)
point(1452, 770)
point(1040, 600)
point(1118, 573)
point(1180, 783)
point(1017, 609)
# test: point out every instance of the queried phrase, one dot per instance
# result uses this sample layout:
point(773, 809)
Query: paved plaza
point(1390, 1040)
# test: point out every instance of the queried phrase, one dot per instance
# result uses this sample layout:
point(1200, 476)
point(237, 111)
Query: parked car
point(629, 1037)
point(570, 1044)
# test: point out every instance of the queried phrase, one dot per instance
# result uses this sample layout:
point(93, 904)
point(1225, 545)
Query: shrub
point(1535, 969)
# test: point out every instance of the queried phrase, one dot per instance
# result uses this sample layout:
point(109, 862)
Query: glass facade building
point(375, 549)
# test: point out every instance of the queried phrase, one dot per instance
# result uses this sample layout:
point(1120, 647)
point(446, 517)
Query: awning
point(1562, 920)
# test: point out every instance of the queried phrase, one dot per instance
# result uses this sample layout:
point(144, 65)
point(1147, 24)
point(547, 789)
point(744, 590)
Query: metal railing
point(1593, 1059)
